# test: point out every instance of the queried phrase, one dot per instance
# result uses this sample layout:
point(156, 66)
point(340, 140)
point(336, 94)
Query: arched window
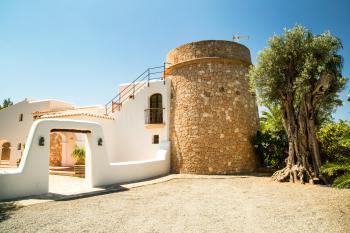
point(6, 151)
point(155, 101)
point(155, 115)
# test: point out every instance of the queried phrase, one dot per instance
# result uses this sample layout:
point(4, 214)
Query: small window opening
point(155, 139)
point(19, 146)
point(21, 117)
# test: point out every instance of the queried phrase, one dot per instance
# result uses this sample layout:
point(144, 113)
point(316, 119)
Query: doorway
point(67, 160)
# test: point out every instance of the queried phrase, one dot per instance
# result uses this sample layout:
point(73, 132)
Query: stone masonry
point(55, 149)
point(213, 114)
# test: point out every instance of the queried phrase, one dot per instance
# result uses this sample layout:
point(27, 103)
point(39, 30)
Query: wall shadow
point(7, 209)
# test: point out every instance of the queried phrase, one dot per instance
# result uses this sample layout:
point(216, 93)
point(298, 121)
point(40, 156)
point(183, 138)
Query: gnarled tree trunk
point(303, 146)
point(301, 128)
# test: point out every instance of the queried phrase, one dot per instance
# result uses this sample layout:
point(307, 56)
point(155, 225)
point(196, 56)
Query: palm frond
point(342, 181)
point(332, 168)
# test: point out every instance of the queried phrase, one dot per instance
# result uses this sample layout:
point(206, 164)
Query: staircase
point(143, 80)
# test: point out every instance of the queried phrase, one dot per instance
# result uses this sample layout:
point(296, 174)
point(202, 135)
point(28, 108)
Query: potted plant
point(79, 155)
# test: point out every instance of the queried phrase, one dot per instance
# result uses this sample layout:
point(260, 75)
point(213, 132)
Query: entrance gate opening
point(67, 160)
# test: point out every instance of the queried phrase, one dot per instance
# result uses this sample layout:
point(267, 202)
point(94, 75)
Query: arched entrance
point(6, 151)
point(64, 145)
point(32, 176)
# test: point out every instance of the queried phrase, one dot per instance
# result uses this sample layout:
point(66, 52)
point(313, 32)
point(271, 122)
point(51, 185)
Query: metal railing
point(153, 73)
point(154, 116)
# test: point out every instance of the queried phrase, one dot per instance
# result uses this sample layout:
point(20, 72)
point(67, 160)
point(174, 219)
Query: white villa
point(142, 116)
point(193, 114)
point(142, 119)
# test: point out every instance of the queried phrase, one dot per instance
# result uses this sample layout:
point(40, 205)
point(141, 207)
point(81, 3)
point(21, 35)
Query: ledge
point(208, 48)
point(155, 126)
point(170, 69)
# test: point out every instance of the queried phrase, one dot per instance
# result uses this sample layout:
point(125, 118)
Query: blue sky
point(80, 51)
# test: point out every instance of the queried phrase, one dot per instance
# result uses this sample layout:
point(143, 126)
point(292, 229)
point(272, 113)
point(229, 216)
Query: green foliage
point(271, 143)
point(297, 63)
point(332, 169)
point(79, 155)
point(6, 103)
point(339, 171)
point(342, 181)
point(335, 142)
point(271, 120)
point(271, 147)
point(335, 148)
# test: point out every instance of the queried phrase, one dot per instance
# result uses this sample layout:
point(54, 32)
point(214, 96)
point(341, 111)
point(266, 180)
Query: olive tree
point(301, 74)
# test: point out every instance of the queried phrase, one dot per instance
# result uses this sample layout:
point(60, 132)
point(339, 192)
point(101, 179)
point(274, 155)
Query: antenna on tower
point(237, 37)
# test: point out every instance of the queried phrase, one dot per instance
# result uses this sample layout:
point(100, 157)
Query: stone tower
point(213, 115)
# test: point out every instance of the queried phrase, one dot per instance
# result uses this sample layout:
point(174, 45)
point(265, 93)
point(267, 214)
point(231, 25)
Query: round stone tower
point(213, 115)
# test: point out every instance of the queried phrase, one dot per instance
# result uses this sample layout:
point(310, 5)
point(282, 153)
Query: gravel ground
point(235, 204)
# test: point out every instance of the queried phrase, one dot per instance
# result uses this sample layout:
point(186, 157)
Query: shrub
point(335, 149)
point(339, 172)
point(335, 142)
point(271, 143)
point(271, 147)
point(79, 155)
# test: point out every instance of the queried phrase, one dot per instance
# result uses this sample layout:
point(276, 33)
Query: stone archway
point(55, 149)
point(6, 151)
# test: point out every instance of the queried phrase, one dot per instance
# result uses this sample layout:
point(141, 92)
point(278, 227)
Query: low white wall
point(31, 177)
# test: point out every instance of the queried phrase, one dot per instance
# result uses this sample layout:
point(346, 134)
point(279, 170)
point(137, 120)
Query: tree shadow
point(7, 209)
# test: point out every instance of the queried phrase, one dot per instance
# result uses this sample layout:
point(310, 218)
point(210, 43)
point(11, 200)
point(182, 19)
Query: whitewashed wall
point(108, 126)
point(14, 131)
point(31, 177)
point(127, 153)
point(133, 141)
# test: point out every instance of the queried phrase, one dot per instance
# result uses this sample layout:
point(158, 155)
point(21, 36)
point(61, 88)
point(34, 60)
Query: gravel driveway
point(234, 204)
